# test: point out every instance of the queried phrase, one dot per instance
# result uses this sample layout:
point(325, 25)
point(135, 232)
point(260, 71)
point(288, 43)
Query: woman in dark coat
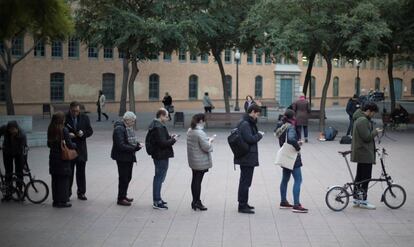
point(249, 101)
point(302, 110)
point(59, 169)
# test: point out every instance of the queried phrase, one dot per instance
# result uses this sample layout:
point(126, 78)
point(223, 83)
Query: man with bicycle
point(363, 150)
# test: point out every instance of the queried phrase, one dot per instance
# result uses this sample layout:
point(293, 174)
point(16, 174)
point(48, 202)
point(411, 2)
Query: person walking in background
point(167, 101)
point(59, 169)
point(79, 128)
point(14, 151)
point(399, 116)
point(208, 105)
point(101, 106)
point(302, 109)
point(250, 135)
point(162, 151)
point(363, 150)
point(286, 131)
point(249, 101)
point(351, 107)
point(124, 147)
point(199, 148)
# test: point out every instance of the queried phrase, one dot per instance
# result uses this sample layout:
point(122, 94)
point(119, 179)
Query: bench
point(386, 120)
point(223, 118)
point(314, 114)
point(271, 104)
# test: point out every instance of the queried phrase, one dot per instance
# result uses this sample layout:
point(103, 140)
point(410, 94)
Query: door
point(398, 88)
point(286, 90)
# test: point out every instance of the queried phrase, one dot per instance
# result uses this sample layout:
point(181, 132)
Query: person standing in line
point(60, 170)
point(14, 150)
point(124, 147)
point(101, 106)
point(167, 101)
point(79, 128)
point(208, 105)
point(162, 143)
point(251, 135)
point(249, 101)
point(363, 150)
point(286, 131)
point(351, 107)
point(199, 148)
point(302, 110)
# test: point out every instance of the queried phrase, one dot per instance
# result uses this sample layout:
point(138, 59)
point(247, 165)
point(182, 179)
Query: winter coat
point(207, 101)
point(302, 109)
point(247, 105)
point(358, 113)
point(199, 150)
point(85, 125)
point(363, 142)
point(102, 100)
point(122, 150)
point(18, 148)
point(292, 139)
point(352, 106)
point(250, 134)
point(57, 166)
point(167, 101)
point(162, 141)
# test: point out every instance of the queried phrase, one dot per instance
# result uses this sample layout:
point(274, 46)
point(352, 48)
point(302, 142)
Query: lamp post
point(358, 79)
point(237, 58)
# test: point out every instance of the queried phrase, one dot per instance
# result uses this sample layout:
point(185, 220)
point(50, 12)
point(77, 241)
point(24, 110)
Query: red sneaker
point(299, 209)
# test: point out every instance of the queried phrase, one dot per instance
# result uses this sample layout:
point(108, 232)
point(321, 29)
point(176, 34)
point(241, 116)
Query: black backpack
point(346, 140)
point(238, 146)
point(149, 147)
point(330, 133)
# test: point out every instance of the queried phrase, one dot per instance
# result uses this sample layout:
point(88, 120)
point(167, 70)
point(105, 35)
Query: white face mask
point(200, 125)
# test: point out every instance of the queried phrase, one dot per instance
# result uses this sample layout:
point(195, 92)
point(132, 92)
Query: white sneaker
point(356, 203)
point(367, 205)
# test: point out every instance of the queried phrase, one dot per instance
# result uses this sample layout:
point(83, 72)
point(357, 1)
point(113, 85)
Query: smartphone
point(177, 135)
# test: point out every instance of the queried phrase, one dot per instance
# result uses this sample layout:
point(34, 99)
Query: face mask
point(201, 125)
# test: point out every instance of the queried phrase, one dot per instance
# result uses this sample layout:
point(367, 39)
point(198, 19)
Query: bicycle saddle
point(344, 153)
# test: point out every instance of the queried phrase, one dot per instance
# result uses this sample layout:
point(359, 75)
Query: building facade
point(61, 72)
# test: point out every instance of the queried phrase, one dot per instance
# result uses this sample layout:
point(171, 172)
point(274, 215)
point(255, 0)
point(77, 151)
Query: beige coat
point(199, 150)
point(102, 100)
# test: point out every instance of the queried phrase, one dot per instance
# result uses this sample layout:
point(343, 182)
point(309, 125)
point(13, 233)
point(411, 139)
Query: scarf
point(282, 129)
point(132, 139)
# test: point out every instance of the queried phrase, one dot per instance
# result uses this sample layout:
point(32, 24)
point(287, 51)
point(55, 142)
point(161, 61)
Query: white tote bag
point(286, 156)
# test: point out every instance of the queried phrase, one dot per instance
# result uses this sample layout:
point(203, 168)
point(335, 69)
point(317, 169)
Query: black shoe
point(62, 205)
point(6, 198)
point(245, 210)
point(82, 197)
point(251, 207)
point(164, 202)
point(129, 199)
point(198, 205)
point(123, 202)
point(159, 205)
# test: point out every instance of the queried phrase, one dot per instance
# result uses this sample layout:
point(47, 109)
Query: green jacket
point(357, 114)
point(363, 141)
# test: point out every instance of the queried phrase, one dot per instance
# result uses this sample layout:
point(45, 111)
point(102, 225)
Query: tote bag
point(286, 156)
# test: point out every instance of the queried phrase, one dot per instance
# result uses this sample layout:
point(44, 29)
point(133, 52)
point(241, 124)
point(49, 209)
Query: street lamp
point(358, 79)
point(237, 58)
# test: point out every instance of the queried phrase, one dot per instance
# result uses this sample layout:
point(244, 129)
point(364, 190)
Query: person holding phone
point(163, 151)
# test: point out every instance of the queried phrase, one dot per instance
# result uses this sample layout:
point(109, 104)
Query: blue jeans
point(297, 176)
point(161, 167)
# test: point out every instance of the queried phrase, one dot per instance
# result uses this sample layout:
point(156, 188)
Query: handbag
point(67, 153)
point(286, 156)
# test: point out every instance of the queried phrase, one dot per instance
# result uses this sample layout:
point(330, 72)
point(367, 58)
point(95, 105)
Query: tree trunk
point(8, 89)
point(308, 75)
point(391, 79)
point(131, 90)
point(124, 88)
point(216, 55)
point(324, 93)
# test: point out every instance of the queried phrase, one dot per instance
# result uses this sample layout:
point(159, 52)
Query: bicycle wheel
point(337, 198)
point(394, 196)
point(17, 189)
point(37, 191)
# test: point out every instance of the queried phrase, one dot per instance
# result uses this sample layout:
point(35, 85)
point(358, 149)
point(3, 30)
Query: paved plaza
point(100, 222)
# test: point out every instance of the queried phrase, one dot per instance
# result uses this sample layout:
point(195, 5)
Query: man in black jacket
point(161, 142)
point(248, 162)
point(14, 149)
point(125, 144)
point(351, 107)
point(79, 129)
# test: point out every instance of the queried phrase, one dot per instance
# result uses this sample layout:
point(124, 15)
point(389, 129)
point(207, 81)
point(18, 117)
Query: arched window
point(193, 87)
point(228, 85)
point(154, 87)
point(357, 86)
point(313, 86)
point(108, 86)
point(57, 87)
point(258, 87)
point(377, 84)
point(335, 86)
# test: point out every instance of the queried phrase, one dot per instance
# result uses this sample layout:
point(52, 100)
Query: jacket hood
point(119, 123)
point(358, 113)
point(155, 124)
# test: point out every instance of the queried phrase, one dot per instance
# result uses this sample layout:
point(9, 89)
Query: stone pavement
point(100, 222)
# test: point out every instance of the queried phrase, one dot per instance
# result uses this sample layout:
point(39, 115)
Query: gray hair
point(129, 115)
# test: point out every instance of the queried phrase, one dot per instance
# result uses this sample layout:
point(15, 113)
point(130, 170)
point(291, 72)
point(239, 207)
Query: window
point(17, 46)
point(305, 61)
point(108, 53)
point(121, 54)
point(193, 58)
point(279, 59)
point(412, 86)
point(193, 87)
point(227, 56)
point(182, 55)
point(57, 49)
point(154, 87)
point(342, 62)
point(377, 84)
point(228, 85)
point(39, 50)
point(204, 58)
point(108, 86)
point(258, 87)
point(249, 57)
point(268, 59)
point(319, 60)
point(259, 57)
point(313, 86)
point(73, 48)
point(378, 63)
point(167, 56)
point(57, 85)
point(336, 62)
point(335, 91)
point(2, 86)
point(93, 52)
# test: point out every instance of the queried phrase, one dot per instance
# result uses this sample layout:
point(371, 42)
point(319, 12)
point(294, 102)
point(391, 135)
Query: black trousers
point(196, 184)
point(207, 109)
point(8, 166)
point(60, 188)
point(80, 176)
point(246, 177)
point(103, 113)
point(364, 172)
point(124, 177)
